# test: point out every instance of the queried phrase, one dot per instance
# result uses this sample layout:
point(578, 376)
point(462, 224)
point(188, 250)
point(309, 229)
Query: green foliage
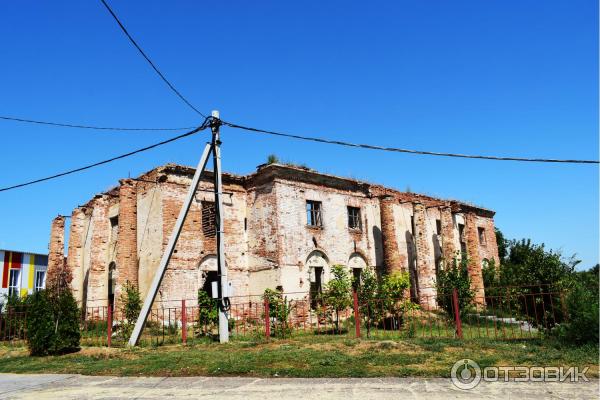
point(503, 245)
point(279, 312)
point(208, 313)
point(456, 276)
point(272, 159)
point(582, 306)
point(132, 305)
point(52, 323)
point(529, 282)
point(383, 298)
point(338, 293)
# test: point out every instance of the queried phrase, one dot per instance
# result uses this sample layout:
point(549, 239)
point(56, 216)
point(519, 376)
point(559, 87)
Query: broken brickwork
point(270, 240)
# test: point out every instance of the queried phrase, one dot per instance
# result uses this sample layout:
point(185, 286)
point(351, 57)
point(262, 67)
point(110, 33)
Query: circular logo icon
point(466, 374)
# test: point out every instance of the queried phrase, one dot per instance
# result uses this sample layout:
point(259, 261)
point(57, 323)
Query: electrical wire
point(410, 151)
point(102, 128)
point(204, 125)
point(154, 67)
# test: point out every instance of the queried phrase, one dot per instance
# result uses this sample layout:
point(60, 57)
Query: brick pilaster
point(97, 291)
point(425, 265)
point(392, 259)
point(75, 254)
point(474, 259)
point(448, 246)
point(127, 258)
point(56, 248)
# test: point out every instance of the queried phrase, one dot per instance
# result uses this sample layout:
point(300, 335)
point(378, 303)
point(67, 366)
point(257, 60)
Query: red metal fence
point(504, 313)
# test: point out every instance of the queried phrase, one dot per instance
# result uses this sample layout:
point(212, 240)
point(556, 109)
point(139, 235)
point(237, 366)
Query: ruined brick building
point(285, 226)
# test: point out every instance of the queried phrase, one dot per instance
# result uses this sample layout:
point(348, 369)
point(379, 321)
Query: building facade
point(284, 228)
point(22, 273)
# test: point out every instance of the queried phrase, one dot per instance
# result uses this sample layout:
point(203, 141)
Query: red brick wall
point(474, 264)
point(75, 253)
point(56, 248)
point(392, 258)
point(425, 265)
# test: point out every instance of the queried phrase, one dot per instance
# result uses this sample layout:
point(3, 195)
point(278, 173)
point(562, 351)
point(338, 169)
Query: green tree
point(455, 277)
point(53, 316)
point(279, 312)
point(131, 305)
point(208, 313)
point(337, 295)
point(368, 299)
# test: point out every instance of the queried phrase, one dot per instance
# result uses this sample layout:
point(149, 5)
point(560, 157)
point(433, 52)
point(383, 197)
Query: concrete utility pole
point(213, 147)
point(224, 304)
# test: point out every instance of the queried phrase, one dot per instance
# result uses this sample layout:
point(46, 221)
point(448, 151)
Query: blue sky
point(505, 78)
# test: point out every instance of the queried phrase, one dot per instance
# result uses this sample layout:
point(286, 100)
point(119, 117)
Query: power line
point(410, 151)
point(103, 128)
point(148, 59)
point(204, 125)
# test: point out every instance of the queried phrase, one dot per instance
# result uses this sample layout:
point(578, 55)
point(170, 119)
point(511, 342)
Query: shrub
point(338, 293)
point(456, 276)
point(582, 305)
point(368, 298)
point(208, 313)
point(131, 305)
point(52, 323)
point(279, 312)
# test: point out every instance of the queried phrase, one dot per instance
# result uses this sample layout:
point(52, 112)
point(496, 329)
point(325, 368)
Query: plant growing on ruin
point(279, 312)
point(208, 313)
point(338, 293)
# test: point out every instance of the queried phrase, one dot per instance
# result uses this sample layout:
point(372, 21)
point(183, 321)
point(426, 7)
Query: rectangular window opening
point(40, 277)
point(13, 282)
point(438, 226)
point(354, 218)
point(209, 219)
point(481, 234)
point(313, 213)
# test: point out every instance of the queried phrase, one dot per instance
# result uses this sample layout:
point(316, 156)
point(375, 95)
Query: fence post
point(356, 313)
point(109, 318)
point(267, 320)
point(459, 332)
point(183, 323)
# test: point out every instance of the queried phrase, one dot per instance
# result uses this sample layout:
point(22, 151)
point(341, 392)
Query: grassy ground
point(308, 356)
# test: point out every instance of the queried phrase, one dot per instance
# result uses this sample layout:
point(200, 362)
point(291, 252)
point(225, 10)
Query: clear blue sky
point(505, 77)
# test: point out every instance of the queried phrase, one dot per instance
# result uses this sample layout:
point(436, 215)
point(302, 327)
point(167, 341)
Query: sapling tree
point(338, 292)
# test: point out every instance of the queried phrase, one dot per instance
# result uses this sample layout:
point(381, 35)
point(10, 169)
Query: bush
point(338, 294)
point(52, 323)
point(208, 313)
point(456, 276)
point(279, 312)
point(582, 305)
point(131, 305)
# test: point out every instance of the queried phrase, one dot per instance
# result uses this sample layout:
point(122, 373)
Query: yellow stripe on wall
point(24, 292)
point(31, 270)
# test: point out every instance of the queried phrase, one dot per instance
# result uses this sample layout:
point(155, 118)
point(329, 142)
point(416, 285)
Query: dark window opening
point(438, 226)
point(461, 235)
point(356, 273)
point(209, 219)
point(313, 213)
point(112, 281)
point(412, 224)
point(316, 287)
point(481, 234)
point(354, 218)
point(211, 276)
point(114, 221)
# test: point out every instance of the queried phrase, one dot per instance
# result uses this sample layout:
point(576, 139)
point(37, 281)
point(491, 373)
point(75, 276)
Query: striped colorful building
point(22, 273)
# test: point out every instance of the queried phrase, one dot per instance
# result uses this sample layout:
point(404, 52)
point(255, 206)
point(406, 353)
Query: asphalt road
point(41, 387)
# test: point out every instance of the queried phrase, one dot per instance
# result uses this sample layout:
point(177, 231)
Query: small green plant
point(338, 293)
point(132, 304)
point(279, 312)
point(455, 276)
point(272, 159)
point(208, 313)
